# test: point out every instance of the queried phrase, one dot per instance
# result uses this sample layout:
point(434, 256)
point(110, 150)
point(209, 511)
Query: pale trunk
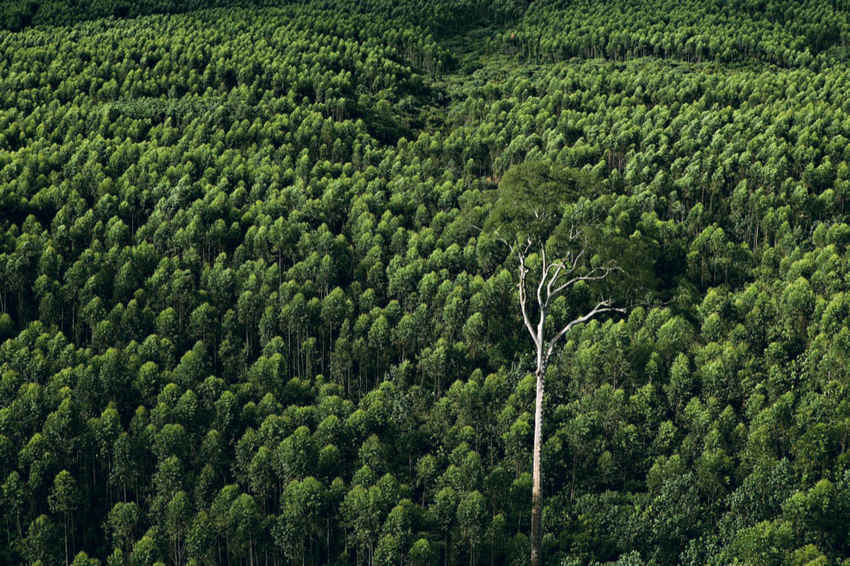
point(536, 490)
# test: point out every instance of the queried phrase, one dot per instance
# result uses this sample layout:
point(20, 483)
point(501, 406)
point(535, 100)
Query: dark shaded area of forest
point(248, 314)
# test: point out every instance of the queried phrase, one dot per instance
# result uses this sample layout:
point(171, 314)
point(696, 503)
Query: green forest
point(264, 268)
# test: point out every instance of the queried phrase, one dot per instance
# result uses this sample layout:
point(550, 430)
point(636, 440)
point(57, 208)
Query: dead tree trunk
point(555, 279)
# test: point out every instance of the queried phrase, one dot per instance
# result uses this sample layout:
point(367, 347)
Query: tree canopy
point(252, 308)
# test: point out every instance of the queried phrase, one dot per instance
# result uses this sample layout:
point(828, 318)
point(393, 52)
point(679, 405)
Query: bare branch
point(523, 271)
point(576, 259)
point(605, 271)
point(514, 248)
point(558, 268)
point(543, 270)
point(603, 306)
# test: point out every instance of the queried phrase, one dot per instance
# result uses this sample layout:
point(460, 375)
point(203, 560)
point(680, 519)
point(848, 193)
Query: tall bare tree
point(556, 278)
point(529, 216)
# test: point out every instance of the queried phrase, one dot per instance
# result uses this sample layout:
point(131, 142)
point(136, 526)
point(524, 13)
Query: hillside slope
point(248, 314)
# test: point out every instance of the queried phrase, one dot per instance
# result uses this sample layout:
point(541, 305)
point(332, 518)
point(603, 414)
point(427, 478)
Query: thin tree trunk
point(536, 491)
point(66, 539)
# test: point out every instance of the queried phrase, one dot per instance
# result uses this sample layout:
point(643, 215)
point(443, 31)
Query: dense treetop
point(787, 34)
point(249, 313)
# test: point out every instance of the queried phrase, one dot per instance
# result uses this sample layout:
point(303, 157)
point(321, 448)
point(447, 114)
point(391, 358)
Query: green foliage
point(531, 199)
point(779, 32)
point(254, 307)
